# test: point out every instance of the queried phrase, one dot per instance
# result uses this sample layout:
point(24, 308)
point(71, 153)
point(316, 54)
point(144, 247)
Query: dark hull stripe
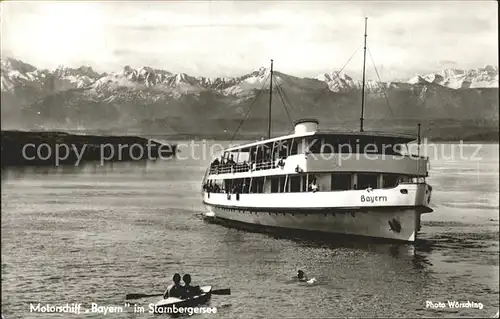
point(288, 232)
point(321, 210)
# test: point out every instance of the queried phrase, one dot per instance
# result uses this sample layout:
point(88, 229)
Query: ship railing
point(240, 168)
point(229, 168)
point(268, 165)
point(243, 167)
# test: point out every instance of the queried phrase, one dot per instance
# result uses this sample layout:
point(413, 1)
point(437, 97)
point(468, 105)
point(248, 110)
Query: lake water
point(92, 234)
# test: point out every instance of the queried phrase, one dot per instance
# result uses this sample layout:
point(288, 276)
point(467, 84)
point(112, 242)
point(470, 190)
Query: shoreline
point(484, 136)
point(54, 148)
point(253, 139)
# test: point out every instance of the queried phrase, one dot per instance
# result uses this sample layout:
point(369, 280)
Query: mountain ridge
point(148, 100)
point(451, 77)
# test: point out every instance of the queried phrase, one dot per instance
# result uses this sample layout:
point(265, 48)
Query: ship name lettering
point(373, 199)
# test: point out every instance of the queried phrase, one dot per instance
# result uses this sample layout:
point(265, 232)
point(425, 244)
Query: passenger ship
point(355, 183)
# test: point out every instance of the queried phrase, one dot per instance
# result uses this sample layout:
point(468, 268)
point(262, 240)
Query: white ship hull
point(397, 217)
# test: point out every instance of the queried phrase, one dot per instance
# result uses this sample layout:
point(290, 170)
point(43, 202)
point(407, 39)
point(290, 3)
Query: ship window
point(304, 183)
point(274, 185)
point(357, 144)
point(281, 148)
point(242, 156)
point(237, 185)
point(246, 185)
point(281, 184)
point(227, 184)
point(340, 182)
point(313, 144)
point(390, 180)
point(251, 154)
point(294, 148)
point(257, 185)
point(367, 180)
point(329, 144)
point(403, 179)
point(294, 184)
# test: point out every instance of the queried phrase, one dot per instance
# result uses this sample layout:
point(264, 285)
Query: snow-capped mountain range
point(452, 78)
point(460, 79)
point(152, 100)
point(15, 73)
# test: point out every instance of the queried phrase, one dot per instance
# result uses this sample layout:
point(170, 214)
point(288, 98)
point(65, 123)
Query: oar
point(214, 292)
point(138, 296)
point(221, 292)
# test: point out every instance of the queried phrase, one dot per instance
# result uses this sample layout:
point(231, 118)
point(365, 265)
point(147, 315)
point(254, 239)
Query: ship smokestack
point(306, 126)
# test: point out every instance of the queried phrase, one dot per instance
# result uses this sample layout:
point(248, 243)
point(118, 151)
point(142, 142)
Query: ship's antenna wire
point(288, 111)
point(284, 95)
point(378, 76)
point(287, 100)
point(249, 109)
point(279, 89)
point(336, 73)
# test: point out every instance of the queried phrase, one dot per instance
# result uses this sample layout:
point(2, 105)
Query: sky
point(232, 38)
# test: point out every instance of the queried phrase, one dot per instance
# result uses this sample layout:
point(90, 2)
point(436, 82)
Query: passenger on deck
point(175, 289)
point(216, 188)
point(231, 160)
point(314, 187)
point(244, 167)
point(214, 166)
point(239, 189)
point(281, 163)
point(215, 163)
point(267, 155)
point(190, 290)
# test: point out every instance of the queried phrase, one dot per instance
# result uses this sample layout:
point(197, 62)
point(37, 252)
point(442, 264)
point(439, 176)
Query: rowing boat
point(168, 305)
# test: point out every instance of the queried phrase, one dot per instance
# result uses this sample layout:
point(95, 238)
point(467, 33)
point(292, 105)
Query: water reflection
point(93, 168)
point(20, 172)
point(415, 253)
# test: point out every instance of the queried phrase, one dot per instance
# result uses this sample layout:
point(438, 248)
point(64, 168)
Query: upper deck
point(373, 136)
point(311, 150)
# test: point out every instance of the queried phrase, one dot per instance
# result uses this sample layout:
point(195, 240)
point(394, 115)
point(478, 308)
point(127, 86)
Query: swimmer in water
point(301, 276)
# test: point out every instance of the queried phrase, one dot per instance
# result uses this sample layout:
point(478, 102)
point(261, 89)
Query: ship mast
point(363, 89)
point(270, 100)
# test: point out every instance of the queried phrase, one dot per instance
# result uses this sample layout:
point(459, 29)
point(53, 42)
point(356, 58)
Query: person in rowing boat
point(175, 289)
point(190, 291)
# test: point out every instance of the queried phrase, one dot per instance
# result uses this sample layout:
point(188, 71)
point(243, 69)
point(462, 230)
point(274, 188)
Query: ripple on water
point(96, 234)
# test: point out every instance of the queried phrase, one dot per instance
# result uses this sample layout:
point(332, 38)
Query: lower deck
point(402, 196)
point(383, 213)
point(304, 182)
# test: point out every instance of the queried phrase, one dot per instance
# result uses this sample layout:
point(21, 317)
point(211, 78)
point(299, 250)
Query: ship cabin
point(317, 160)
